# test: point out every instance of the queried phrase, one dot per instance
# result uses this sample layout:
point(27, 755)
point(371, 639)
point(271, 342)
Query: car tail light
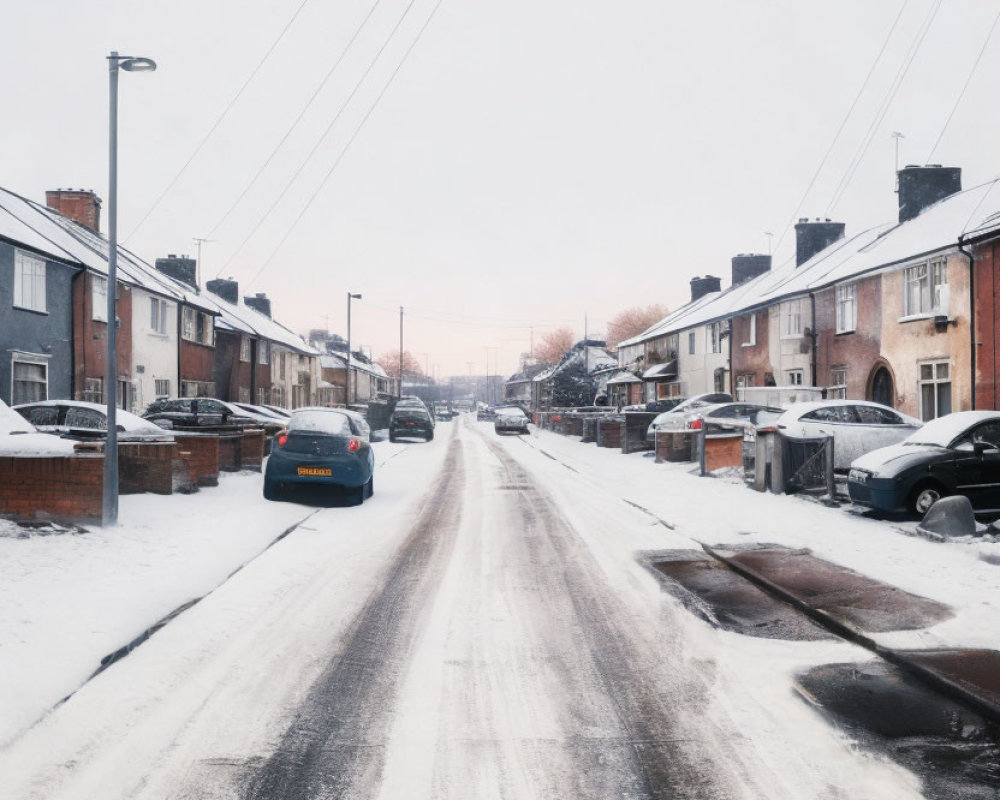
point(695, 425)
point(282, 438)
point(353, 445)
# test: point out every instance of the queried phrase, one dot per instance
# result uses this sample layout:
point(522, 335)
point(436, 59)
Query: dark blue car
point(322, 447)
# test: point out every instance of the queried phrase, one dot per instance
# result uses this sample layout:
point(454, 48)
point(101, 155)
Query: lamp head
point(133, 63)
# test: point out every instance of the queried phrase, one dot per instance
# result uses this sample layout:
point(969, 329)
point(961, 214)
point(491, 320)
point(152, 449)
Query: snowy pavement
point(481, 628)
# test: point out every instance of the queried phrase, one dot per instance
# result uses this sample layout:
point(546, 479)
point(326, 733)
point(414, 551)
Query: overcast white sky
point(531, 163)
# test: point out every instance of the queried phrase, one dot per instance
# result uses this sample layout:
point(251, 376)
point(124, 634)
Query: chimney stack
point(180, 268)
point(227, 289)
point(82, 206)
point(812, 237)
point(749, 265)
point(920, 187)
point(702, 286)
point(259, 302)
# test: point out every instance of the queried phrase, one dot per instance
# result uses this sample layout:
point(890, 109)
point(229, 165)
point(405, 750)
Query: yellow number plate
point(320, 471)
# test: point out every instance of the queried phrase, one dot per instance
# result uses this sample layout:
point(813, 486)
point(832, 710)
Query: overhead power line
point(883, 109)
point(843, 123)
point(218, 121)
point(322, 138)
point(961, 94)
point(298, 119)
point(350, 141)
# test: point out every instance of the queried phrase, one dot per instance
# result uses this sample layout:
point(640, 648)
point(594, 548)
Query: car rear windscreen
point(329, 422)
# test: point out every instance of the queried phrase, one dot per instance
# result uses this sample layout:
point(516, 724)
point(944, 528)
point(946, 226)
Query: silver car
point(677, 418)
point(857, 426)
point(510, 419)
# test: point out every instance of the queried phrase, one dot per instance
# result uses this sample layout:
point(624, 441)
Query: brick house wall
point(232, 374)
point(858, 351)
point(987, 282)
point(751, 360)
point(90, 339)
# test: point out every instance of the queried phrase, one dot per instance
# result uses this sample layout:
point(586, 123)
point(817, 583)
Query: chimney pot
point(81, 206)
point(920, 187)
point(811, 237)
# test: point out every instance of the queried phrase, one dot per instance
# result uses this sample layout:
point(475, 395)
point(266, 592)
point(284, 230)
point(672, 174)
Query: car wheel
point(392, 437)
point(357, 495)
point(270, 490)
point(923, 496)
point(370, 487)
point(430, 436)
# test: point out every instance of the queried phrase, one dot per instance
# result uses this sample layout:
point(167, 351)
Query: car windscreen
point(509, 412)
point(328, 422)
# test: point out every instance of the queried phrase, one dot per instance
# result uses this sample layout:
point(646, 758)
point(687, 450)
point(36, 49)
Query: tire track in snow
point(335, 746)
point(660, 743)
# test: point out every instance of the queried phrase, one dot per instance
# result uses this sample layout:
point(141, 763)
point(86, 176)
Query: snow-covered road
point(481, 629)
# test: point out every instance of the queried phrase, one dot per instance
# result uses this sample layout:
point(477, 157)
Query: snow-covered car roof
point(796, 411)
point(124, 419)
point(18, 437)
point(320, 420)
point(944, 430)
point(510, 411)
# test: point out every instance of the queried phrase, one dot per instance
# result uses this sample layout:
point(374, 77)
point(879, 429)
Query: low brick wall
point(575, 426)
point(723, 450)
point(609, 433)
point(146, 467)
point(229, 451)
point(252, 450)
point(674, 446)
point(588, 427)
point(200, 454)
point(634, 431)
point(64, 488)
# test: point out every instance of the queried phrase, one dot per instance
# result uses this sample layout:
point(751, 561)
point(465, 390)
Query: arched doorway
point(881, 388)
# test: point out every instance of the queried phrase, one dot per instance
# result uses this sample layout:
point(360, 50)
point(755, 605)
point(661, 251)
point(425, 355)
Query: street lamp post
point(109, 496)
point(347, 384)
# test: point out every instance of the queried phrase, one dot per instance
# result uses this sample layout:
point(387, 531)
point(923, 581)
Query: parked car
point(484, 413)
point(444, 412)
point(659, 406)
point(409, 422)
point(194, 412)
point(732, 416)
point(857, 426)
point(258, 417)
point(19, 437)
point(955, 454)
point(324, 447)
point(510, 418)
point(76, 419)
point(677, 418)
point(281, 412)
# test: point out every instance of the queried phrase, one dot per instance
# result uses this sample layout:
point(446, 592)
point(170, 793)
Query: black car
point(955, 454)
point(410, 421)
point(193, 412)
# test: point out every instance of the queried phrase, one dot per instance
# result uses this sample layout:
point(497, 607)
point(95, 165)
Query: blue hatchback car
point(324, 447)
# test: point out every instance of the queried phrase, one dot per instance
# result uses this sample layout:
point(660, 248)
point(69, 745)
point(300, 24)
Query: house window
point(926, 288)
point(752, 332)
point(31, 381)
point(278, 396)
point(244, 348)
point(691, 343)
point(29, 281)
point(196, 326)
point(838, 384)
point(847, 308)
point(791, 319)
point(197, 389)
point(93, 390)
point(794, 377)
point(744, 380)
point(161, 387)
point(281, 364)
point(935, 389)
point(262, 351)
point(261, 395)
point(98, 298)
point(244, 394)
point(158, 315)
point(715, 337)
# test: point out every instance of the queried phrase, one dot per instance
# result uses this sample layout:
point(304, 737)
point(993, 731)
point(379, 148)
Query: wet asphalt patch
point(724, 599)
point(952, 749)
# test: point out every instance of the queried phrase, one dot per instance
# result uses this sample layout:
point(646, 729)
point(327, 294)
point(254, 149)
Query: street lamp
point(109, 497)
point(347, 384)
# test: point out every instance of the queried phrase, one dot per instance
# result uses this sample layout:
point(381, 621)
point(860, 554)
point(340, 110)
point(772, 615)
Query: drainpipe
point(732, 379)
point(813, 336)
point(972, 316)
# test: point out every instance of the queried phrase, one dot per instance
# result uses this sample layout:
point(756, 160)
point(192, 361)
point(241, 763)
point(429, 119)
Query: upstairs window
point(691, 343)
point(98, 298)
point(262, 354)
point(715, 337)
point(196, 326)
point(847, 308)
point(158, 315)
point(751, 332)
point(791, 319)
point(926, 288)
point(245, 349)
point(29, 281)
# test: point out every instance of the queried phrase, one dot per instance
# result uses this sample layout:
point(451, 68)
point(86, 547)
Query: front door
point(882, 389)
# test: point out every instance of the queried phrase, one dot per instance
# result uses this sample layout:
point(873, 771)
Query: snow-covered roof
point(596, 358)
point(936, 229)
point(338, 361)
point(47, 231)
point(244, 319)
point(624, 376)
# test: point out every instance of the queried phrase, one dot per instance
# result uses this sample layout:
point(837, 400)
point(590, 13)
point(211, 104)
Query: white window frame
point(934, 381)
point(795, 377)
point(752, 332)
point(847, 308)
point(189, 326)
point(245, 349)
point(791, 319)
point(31, 359)
point(837, 390)
point(29, 282)
point(98, 298)
point(161, 387)
point(93, 390)
point(929, 282)
point(158, 315)
point(263, 351)
point(715, 337)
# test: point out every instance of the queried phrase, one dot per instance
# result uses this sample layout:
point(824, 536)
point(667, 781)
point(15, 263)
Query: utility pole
point(347, 382)
point(586, 349)
point(400, 392)
point(197, 264)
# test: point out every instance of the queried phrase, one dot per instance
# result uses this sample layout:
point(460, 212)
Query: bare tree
point(553, 345)
point(390, 363)
point(633, 321)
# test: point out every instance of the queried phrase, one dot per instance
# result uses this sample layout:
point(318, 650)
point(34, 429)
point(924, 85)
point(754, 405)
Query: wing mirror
point(982, 448)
